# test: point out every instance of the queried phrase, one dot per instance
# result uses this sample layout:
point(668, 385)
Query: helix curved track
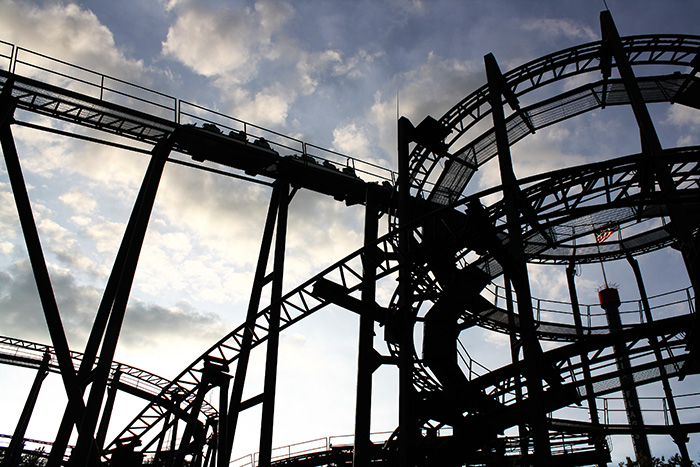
point(452, 249)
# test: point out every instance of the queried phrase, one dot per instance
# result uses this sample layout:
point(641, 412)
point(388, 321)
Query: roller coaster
point(459, 256)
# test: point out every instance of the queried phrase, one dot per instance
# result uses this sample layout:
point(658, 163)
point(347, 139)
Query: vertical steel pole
point(585, 362)
point(107, 411)
point(14, 450)
point(365, 351)
point(192, 421)
point(253, 305)
point(270, 384)
point(407, 430)
point(610, 302)
point(519, 275)
point(515, 358)
point(679, 437)
point(652, 146)
point(222, 454)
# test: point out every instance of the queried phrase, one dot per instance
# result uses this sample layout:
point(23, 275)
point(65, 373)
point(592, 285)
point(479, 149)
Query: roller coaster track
point(594, 187)
point(467, 157)
point(130, 379)
point(476, 425)
point(564, 207)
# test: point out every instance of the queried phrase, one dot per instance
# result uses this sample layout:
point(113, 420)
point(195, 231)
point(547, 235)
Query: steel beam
point(270, 384)
point(365, 351)
point(36, 257)
point(13, 452)
point(585, 361)
point(213, 374)
point(259, 283)
point(515, 346)
point(133, 240)
point(610, 302)
point(222, 453)
point(107, 411)
point(651, 146)
point(518, 267)
point(679, 437)
point(405, 313)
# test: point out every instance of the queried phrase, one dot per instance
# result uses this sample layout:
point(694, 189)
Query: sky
point(331, 73)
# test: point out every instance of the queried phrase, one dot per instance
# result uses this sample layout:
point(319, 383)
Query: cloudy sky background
point(324, 72)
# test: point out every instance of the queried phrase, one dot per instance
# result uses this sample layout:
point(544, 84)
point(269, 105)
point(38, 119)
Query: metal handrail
point(323, 444)
point(627, 307)
point(9, 57)
point(18, 59)
point(664, 409)
point(101, 83)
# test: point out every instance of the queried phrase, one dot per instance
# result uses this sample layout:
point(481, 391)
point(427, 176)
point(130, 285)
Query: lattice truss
point(468, 236)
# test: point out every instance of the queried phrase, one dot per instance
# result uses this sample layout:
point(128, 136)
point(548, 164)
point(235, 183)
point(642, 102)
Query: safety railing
point(105, 88)
point(91, 83)
point(654, 408)
point(632, 312)
point(7, 54)
point(472, 369)
point(313, 446)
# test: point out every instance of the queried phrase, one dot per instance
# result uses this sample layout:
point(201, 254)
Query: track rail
point(674, 52)
point(598, 183)
point(135, 381)
point(558, 210)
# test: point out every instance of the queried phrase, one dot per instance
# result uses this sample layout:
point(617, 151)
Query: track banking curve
point(132, 380)
point(464, 153)
point(303, 301)
point(447, 237)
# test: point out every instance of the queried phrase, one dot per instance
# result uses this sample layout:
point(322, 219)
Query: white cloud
point(553, 27)
point(69, 33)
point(79, 200)
point(8, 212)
point(256, 60)
point(351, 139)
point(6, 247)
point(688, 140)
point(54, 157)
point(430, 88)
point(269, 107)
point(683, 116)
point(228, 41)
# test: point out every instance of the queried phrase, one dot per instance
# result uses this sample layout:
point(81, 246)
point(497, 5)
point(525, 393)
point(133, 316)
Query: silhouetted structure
point(448, 251)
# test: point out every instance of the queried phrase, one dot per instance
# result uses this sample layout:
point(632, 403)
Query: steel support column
point(515, 346)
point(270, 384)
point(97, 331)
point(222, 453)
point(405, 313)
point(259, 283)
point(162, 434)
point(365, 351)
point(610, 301)
point(140, 217)
point(518, 267)
point(651, 146)
point(213, 374)
point(36, 257)
point(13, 452)
point(107, 411)
point(679, 437)
point(585, 362)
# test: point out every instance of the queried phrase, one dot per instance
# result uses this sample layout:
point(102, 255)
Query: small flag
point(606, 231)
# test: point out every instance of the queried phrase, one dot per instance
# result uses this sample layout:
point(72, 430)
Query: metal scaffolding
point(448, 251)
